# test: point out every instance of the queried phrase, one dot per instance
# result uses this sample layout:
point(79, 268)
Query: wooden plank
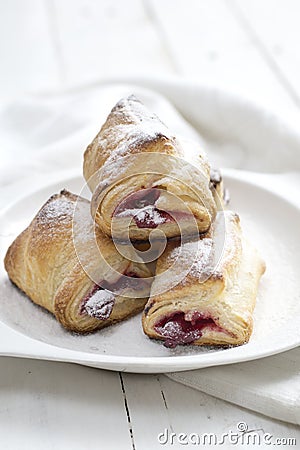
point(102, 39)
point(156, 404)
point(275, 27)
point(209, 43)
point(148, 411)
point(28, 60)
point(53, 406)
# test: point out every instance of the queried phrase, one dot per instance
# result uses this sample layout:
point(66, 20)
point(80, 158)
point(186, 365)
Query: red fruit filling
point(141, 206)
point(128, 280)
point(180, 328)
point(99, 302)
point(139, 199)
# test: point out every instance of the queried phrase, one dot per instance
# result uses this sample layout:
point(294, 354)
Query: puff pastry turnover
point(46, 262)
point(143, 178)
point(214, 302)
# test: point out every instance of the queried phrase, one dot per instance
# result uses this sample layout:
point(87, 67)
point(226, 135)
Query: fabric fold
point(270, 386)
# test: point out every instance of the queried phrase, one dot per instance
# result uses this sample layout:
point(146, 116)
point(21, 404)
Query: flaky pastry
point(143, 178)
point(213, 302)
point(55, 260)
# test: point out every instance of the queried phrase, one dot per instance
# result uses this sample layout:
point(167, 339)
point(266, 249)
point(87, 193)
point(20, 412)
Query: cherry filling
point(141, 206)
point(139, 199)
point(180, 328)
point(151, 217)
point(99, 302)
point(128, 280)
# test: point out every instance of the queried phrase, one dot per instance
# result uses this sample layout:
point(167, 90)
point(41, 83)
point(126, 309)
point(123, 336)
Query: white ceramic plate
point(273, 225)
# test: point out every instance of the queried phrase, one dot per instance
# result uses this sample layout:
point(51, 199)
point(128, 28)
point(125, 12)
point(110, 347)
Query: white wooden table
point(248, 46)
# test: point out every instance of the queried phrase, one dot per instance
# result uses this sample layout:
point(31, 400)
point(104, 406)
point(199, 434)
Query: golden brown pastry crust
point(222, 289)
point(129, 132)
point(43, 262)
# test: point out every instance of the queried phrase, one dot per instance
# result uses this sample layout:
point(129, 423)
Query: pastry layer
point(56, 261)
point(135, 159)
point(212, 300)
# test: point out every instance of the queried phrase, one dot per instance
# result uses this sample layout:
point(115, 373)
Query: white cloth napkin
point(270, 386)
point(42, 135)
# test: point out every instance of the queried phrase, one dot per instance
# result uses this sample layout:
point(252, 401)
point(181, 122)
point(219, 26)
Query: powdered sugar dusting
point(100, 304)
point(148, 215)
point(177, 330)
point(203, 263)
point(133, 126)
point(176, 336)
point(196, 256)
point(208, 255)
point(83, 224)
point(199, 259)
point(56, 210)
